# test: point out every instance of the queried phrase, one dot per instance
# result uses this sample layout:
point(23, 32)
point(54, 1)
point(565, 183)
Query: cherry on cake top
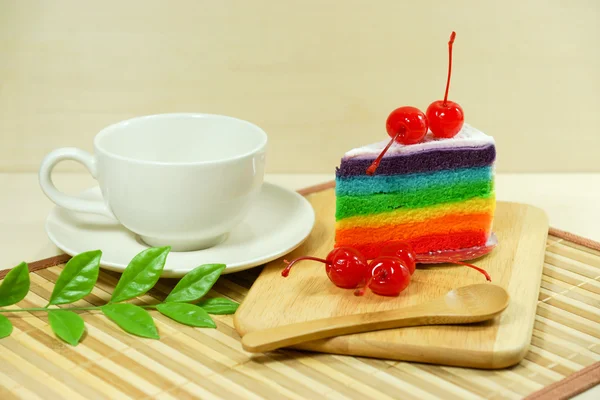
point(408, 125)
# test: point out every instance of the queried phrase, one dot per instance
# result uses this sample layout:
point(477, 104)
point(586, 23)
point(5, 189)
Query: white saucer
point(278, 222)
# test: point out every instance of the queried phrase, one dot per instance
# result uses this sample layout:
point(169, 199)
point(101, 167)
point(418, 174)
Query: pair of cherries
point(408, 125)
point(387, 275)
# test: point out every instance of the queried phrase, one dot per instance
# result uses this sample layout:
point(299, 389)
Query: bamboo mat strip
point(571, 386)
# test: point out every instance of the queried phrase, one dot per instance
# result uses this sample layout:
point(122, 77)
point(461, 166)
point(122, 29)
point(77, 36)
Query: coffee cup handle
point(62, 199)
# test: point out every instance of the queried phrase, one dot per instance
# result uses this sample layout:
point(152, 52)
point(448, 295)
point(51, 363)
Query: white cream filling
point(467, 137)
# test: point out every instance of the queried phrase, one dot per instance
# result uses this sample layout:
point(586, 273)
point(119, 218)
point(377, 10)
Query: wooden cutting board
point(307, 294)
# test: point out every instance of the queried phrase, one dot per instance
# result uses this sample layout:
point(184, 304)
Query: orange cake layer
point(446, 225)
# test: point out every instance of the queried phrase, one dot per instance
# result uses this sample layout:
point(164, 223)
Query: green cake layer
point(348, 206)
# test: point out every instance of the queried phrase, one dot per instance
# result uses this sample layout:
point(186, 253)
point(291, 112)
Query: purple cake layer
point(425, 161)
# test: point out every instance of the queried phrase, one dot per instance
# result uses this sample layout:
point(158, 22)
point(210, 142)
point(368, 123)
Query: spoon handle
point(432, 313)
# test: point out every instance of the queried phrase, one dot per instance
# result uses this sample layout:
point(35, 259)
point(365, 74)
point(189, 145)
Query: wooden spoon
point(468, 304)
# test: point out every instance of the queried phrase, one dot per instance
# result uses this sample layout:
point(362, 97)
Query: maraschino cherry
point(388, 276)
point(346, 267)
point(445, 117)
point(403, 251)
point(406, 125)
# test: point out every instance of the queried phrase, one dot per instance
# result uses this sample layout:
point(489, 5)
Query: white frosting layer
point(467, 137)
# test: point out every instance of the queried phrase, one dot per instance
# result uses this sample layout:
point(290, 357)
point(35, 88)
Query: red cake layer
point(425, 244)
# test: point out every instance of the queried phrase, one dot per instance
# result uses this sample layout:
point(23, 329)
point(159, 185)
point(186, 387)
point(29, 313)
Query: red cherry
point(403, 251)
point(388, 276)
point(346, 267)
point(445, 117)
point(406, 125)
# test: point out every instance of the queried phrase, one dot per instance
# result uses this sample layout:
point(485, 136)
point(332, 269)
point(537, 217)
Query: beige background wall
point(319, 76)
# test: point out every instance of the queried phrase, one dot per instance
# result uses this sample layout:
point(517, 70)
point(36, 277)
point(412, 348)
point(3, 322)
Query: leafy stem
point(78, 279)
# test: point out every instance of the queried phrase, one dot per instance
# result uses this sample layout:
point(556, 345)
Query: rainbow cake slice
point(436, 195)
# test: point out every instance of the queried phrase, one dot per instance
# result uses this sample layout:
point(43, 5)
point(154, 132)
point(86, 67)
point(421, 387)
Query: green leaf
point(219, 306)
point(187, 314)
point(141, 274)
point(195, 283)
point(132, 319)
point(77, 278)
point(67, 325)
point(15, 285)
point(6, 327)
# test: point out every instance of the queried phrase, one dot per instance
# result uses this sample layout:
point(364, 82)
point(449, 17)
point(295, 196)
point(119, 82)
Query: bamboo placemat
point(210, 363)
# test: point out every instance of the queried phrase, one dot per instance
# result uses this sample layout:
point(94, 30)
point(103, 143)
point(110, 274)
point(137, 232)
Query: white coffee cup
point(182, 180)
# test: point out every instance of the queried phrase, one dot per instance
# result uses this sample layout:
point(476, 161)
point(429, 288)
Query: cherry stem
point(373, 167)
point(484, 272)
point(450, 43)
point(287, 269)
point(451, 261)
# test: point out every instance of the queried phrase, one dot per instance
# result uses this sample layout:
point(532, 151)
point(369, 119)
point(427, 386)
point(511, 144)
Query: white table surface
point(572, 202)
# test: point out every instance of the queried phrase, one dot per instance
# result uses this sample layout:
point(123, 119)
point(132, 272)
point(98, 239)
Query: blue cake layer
point(367, 185)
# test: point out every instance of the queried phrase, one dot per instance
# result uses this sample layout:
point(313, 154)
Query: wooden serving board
point(307, 294)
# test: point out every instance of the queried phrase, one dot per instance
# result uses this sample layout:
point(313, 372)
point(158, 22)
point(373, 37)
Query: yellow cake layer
point(409, 215)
